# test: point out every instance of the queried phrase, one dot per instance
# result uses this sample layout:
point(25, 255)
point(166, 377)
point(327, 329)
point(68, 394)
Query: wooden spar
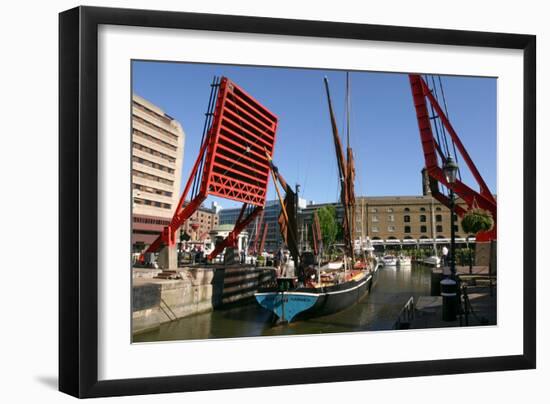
point(346, 171)
point(337, 143)
point(350, 175)
point(350, 208)
point(314, 237)
point(283, 183)
point(316, 234)
point(281, 201)
point(363, 230)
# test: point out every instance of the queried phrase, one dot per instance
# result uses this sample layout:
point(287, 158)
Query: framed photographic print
point(251, 201)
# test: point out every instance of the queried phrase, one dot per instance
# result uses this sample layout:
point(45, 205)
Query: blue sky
point(384, 131)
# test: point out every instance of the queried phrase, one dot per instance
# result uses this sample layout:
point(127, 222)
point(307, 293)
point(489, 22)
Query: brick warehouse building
point(385, 219)
point(399, 219)
point(201, 222)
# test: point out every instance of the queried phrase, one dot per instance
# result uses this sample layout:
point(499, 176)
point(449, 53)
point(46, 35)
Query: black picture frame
point(78, 201)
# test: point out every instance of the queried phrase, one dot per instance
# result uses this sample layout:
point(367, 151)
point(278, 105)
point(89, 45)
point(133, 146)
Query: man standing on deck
point(279, 261)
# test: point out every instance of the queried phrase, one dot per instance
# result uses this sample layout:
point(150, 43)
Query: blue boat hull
point(287, 305)
point(310, 302)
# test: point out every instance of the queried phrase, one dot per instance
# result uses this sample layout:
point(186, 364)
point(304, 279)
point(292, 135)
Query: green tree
point(329, 225)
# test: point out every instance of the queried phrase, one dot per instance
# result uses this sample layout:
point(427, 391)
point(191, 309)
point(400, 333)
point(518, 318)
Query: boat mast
point(363, 238)
point(433, 225)
point(345, 171)
point(350, 174)
point(306, 237)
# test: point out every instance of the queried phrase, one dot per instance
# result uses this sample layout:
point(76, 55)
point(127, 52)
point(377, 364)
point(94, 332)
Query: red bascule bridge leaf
point(231, 162)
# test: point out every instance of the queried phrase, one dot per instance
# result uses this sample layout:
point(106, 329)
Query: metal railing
point(468, 281)
point(406, 315)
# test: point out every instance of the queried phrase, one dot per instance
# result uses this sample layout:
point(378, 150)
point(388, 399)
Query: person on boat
point(279, 261)
point(199, 255)
point(243, 256)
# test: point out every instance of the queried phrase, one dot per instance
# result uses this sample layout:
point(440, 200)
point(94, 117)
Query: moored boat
point(389, 260)
point(403, 261)
point(319, 300)
point(321, 289)
point(433, 260)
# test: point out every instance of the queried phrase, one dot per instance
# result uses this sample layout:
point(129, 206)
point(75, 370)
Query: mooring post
point(449, 297)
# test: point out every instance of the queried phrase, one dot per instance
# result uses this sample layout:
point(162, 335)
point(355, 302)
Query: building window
point(375, 218)
point(423, 218)
point(438, 209)
point(423, 229)
point(390, 210)
point(374, 229)
point(422, 209)
point(407, 229)
point(374, 210)
point(391, 228)
point(438, 218)
point(391, 218)
point(406, 218)
point(406, 210)
point(439, 228)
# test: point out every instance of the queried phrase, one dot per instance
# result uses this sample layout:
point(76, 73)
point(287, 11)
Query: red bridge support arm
point(168, 235)
point(240, 225)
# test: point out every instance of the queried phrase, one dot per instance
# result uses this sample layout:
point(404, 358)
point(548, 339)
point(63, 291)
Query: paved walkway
point(465, 270)
point(428, 310)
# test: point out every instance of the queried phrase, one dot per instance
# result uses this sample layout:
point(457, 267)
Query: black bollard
point(450, 301)
point(435, 282)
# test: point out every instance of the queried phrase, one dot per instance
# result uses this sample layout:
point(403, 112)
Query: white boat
point(389, 260)
point(403, 261)
point(434, 261)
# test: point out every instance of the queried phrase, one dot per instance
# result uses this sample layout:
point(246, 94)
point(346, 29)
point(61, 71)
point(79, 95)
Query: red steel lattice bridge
point(231, 163)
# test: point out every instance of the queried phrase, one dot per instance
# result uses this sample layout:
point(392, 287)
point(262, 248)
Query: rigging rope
point(438, 121)
point(447, 115)
point(433, 117)
point(207, 124)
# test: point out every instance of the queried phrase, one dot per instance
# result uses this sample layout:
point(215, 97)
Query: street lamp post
point(452, 259)
point(449, 285)
point(450, 170)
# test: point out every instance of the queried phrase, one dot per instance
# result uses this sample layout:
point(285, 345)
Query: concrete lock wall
point(156, 301)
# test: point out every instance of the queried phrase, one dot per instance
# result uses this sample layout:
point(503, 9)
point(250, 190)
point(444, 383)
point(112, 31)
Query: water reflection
point(378, 311)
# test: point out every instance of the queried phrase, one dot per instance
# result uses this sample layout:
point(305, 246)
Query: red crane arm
point(168, 235)
point(484, 198)
point(484, 189)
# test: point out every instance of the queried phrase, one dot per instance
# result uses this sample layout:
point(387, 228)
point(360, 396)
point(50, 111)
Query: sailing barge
point(304, 302)
point(320, 291)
